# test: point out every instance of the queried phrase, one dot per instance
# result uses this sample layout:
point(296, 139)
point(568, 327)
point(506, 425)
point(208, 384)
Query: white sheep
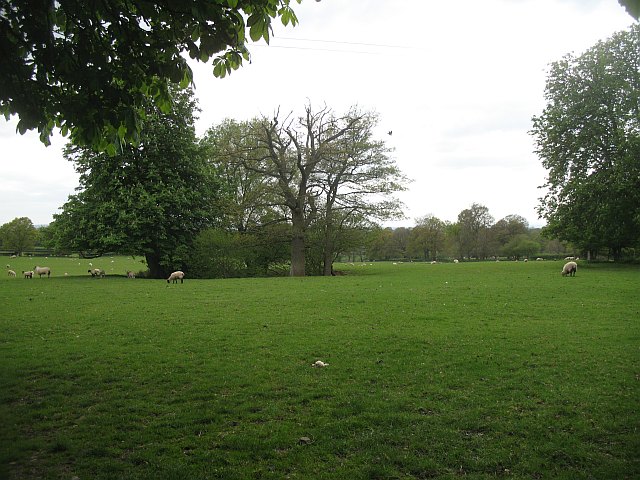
point(455, 260)
point(11, 273)
point(42, 271)
point(130, 274)
point(569, 258)
point(570, 268)
point(28, 274)
point(319, 363)
point(97, 272)
point(539, 259)
point(175, 276)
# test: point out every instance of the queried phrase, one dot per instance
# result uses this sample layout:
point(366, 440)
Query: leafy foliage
point(149, 200)
point(632, 6)
point(520, 246)
point(428, 237)
point(18, 235)
point(473, 236)
point(508, 227)
point(588, 138)
point(220, 253)
point(90, 68)
point(251, 203)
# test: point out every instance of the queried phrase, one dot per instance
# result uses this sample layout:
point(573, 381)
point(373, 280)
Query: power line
point(336, 42)
point(315, 49)
point(379, 45)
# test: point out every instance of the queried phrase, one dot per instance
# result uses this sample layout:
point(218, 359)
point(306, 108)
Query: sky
point(456, 82)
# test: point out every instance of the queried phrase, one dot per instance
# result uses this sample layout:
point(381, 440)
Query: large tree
point(428, 237)
point(474, 223)
point(318, 167)
point(90, 67)
point(149, 200)
point(18, 235)
point(508, 228)
point(588, 137)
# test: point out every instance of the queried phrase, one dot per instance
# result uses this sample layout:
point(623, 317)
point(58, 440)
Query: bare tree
point(356, 178)
point(318, 170)
point(288, 151)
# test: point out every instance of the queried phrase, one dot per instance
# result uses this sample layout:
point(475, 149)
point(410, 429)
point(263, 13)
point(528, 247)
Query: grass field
point(476, 370)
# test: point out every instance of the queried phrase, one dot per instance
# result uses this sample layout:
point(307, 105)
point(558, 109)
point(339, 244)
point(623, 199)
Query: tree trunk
point(153, 262)
point(327, 252)
point(327, 259)
point(297, 245)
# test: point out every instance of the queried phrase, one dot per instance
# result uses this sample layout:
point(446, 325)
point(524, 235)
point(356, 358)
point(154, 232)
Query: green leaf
point(219, 69)
point(111, 150)
point(187, 79)
point(122, 131)
point(258, 30)
point(195, 33)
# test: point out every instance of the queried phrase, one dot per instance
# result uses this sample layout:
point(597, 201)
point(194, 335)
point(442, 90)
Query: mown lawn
point(435, 371)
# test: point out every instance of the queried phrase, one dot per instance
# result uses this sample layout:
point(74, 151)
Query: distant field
point(74, 266)
point(476, 370)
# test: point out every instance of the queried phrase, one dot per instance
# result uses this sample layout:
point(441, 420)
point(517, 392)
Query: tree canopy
point(18, 235)
point(149, 200)
point(90, 67)
point(588, 138)
point(474, 223)
point(632, 7)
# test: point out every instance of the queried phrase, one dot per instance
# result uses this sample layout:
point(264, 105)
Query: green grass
point(74, 266)
point(435, 371)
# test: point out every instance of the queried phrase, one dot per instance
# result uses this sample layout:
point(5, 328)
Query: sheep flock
point(570, 269)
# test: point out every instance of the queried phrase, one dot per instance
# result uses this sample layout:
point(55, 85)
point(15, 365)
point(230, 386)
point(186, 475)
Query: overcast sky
point(456, 82)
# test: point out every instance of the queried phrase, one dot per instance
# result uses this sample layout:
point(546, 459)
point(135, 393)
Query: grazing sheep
point(28, 274)
point(130, 274)
point(569, 258)
point(570, 268)
point(175, 276)
point(97, 272)
point(455, 260)
point(42, 271)
point(319, 363)
point(539, 259)
point(11, 273)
